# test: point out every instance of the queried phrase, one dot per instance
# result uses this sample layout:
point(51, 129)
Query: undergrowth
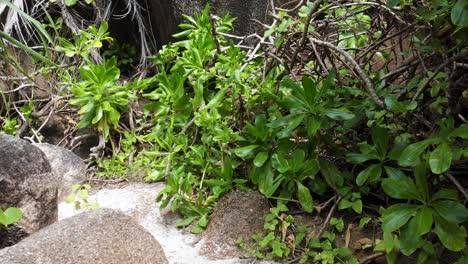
point(323, 114)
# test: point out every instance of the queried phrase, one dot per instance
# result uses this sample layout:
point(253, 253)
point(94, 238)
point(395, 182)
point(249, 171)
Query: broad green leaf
point(217, 99)
point(451, 211)
point(357, 206)
point(461, 132)
point(344, 204)
point(260, 158)
point(357, 158)
point(420, 175)
point(296, 90)
point(409, 242)
point(339, 114)
point(267, 184)
point(197, 229)
point(311, 167)
point(70, 198)
point(98, 115)
point(452, 236)
point(245, 152)
point(83, 193)
point(392, 3)
point(305, 199)
point(396, 216)
point(268, 238)
point(313, 126)
point(380, 140)
point(459, 14)
point(310, 90)
point(440, 159)
point(373, 171)
point(387, 244)
point(293, 122)
point(203, 222)
point(331, 173)
point(400, 189)
point(186, 222)
point(364, 221)
point(10, 216)
point(395, 174)
point(279, 162)
point(410, 155)
point(277, 248)
point(421, 223)
point(445, 194)
point(296, 162)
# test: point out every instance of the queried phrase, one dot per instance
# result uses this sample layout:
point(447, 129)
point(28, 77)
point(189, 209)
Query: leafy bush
point(100, 97)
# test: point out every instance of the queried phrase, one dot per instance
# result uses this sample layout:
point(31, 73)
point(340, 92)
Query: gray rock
point(237, 214)
point(67, 167)
point(102, 236)
point(27, 182)
point(166, 15)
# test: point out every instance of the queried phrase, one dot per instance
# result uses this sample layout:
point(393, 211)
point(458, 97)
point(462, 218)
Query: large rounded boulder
point(68, 168)
point(27, 182)
point(100, 236)
point(238, 214)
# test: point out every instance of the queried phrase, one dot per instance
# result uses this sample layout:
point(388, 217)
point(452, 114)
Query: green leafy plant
point(274, 244)
point(10, 216)
point(100, 97)
point(79, 197)
point(322, 250)
point(84, 42)
point(437, 213)
point(379, 151)
point(445, 152)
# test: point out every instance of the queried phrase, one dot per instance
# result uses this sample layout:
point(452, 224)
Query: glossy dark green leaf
point(409, 241)
point(395, 174)
point(420, 176)
point(260, 158)
point(310, 90)
point(451, 211)
point(392, 3)
point(296, 90)
point(380, 140)
point(357, 206)
point(421, 223)
point(338, 114)
point(313, 125)
point(452, 236)
point(410, 156)
point(400, 189)
point(292, 124)
point(440, 159)
point(331, 173)
point(267, 184)
point(245, 152)
point(445, 194)
point(461, 132)
point(459, 14)
point(305, 198)
point(373, 171)
point(296, 162)
point(279, 162)
point(396, 216)
point(357, 158)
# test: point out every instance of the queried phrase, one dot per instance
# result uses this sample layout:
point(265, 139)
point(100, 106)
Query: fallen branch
point(371, 258)
point(368, 84)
